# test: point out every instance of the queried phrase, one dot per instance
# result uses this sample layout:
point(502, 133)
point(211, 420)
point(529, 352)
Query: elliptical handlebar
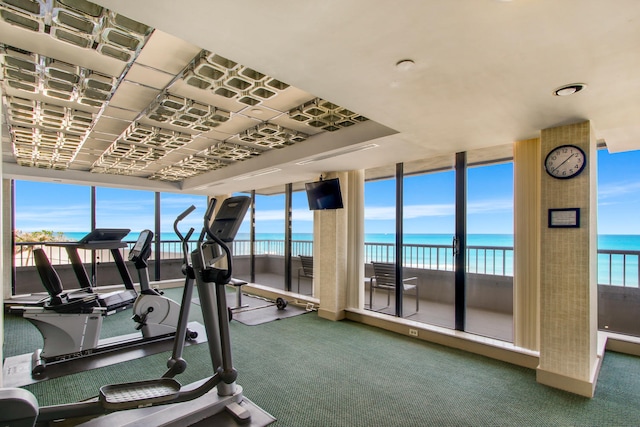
point(184, 239)
point(229, 270)
point(208, 215)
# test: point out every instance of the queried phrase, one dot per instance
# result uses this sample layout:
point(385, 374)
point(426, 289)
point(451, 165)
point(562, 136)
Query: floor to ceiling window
point(301, 242)
point(618, 242)
point(172, 205)
point(489, 279)
point(49, 211)
point(119, 208)
point(269, 245)
point(457, 243)
point(429, 227)
point(380, 235)
point(124, 209)
point(243, 259)
point(168, 245)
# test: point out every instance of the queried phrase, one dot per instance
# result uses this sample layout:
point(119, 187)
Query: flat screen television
point(324, 194)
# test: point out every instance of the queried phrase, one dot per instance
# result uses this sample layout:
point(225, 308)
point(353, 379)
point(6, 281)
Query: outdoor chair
point(384, 277)
point(306, 270)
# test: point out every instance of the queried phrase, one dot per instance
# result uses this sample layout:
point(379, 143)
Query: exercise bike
point(71, 327)
point(155, 314)
point(164, 401)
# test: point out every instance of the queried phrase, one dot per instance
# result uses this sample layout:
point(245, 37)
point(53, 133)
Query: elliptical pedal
point(139, 394)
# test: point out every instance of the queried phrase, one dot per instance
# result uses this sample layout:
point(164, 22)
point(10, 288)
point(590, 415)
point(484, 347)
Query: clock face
point(565, 161)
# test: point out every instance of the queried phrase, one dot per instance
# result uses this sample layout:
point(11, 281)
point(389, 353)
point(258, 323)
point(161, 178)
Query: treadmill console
point(105, 235)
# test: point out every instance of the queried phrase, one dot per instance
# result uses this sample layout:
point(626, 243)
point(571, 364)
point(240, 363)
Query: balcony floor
point(481, 322)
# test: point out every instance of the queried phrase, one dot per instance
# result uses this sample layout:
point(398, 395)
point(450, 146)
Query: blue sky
point(428, 201)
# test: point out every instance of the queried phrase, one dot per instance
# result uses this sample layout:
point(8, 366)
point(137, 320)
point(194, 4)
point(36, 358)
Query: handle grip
point(185, 213)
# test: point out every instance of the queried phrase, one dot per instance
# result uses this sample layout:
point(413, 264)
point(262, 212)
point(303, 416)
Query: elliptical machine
point(164, 401)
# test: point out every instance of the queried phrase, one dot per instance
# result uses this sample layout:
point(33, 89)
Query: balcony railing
point(619, 268)
point(493, 260)
point(615, 267)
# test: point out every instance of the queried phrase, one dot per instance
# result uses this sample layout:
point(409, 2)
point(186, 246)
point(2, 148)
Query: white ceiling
point(483, 77)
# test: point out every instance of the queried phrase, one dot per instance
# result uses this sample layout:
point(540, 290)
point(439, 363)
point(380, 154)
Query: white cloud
point(278, 215)
point(437, 210)
point(490, 206)
point(378, 213)
point(302, 215)
point(269, 215)
point(54, 218)
point(176, 201)
point(618, 189)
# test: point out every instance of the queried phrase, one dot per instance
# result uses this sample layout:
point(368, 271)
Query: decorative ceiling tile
point(173, 112)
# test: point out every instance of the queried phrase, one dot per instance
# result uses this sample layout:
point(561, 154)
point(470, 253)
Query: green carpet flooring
point(307, 371)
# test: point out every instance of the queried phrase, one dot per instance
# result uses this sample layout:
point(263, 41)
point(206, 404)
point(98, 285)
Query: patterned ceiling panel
point(52, 104)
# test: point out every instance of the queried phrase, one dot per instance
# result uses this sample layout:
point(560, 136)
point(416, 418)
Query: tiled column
point(355, 239)
point(568, 266)
point(330, 255)
point(526, 280)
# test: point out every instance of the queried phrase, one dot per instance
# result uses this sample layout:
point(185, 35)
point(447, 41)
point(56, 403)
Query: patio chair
point(306, 270)
point(384, 277)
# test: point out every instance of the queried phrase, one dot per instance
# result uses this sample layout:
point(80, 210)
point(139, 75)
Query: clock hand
point(565, 161)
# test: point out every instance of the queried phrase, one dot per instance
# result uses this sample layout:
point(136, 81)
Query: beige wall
point(330, 256)
point(6, 284)
point(568, 259)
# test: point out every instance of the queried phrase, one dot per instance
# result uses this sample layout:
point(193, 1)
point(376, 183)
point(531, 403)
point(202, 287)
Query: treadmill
point(102, 238)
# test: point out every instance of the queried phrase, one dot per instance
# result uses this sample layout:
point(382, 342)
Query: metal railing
point(615, 267)
point(619, 268)
point(493, 260)
point(169, 249)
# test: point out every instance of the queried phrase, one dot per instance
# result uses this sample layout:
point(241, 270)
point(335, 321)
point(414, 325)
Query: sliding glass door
point(489, 272)
point(301, 243)
point(429, 227)
point(456, 228)
point(380, 237)
point(269, 245)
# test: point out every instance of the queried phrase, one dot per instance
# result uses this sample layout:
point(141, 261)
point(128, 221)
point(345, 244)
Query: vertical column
point(252, 236)
point(568, 266)
point(4, 266)
point(355, 239)
point(288, 231)
point(6, 218)
point(330, 256)
point(460, 248)
point(526, 280)
point(399, 238)
point(158, 236)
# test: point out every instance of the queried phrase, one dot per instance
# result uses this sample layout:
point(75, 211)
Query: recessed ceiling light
point(569, 89)
point(405, 64)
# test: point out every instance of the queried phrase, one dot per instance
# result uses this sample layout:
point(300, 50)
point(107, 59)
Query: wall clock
point(565, 161)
